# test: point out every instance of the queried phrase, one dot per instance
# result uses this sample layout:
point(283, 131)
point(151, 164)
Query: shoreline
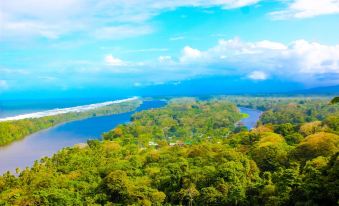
point(58, 137)
point(75, 109)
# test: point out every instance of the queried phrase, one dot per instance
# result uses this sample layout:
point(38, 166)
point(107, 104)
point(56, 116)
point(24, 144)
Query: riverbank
point(53, 112)
point(251, 118)
point(19, 128)
point(23, 153)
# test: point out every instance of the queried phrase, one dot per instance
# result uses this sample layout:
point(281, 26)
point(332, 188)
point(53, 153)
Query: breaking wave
point(65, 110)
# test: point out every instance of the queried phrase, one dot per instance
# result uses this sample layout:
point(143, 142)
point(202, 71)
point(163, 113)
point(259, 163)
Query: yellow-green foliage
point(318, 144)
point(107, 173)
point(310, 128)
point(270, 152)
point(270, 138)
point(262, 129)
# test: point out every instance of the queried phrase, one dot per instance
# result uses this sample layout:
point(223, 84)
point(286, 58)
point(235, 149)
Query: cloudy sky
point(70, 45)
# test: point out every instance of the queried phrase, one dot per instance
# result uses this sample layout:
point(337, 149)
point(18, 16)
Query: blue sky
point(72, 46)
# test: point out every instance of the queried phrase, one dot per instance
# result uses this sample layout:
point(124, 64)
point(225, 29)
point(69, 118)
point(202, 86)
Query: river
point(251, 121)
point(21, 154)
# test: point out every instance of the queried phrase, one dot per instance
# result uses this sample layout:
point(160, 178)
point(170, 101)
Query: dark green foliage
point(294, 138)
point(332, 122)
point(335, 100)
point(284, 129)
point(299, 113)
point(180, 120)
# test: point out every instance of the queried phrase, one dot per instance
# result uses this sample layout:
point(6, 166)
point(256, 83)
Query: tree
point(335, 100)
point(189, 193)
point(333, 123)
point(284, 129)
point(118, 186)
point(294, 138)
point(270, 152)
point(318, 144)
point(209, 196)
point(310, 128)
point(320, 183)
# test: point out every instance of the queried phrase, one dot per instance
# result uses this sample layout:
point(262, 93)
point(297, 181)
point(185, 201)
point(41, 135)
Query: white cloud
point(306, 62)
point(52, 19)
point(29, 18)
point(113, 61)
point(190, 55)
point(270, 45)
point(164, 59)
point(307, 8)
point(3, 85)
point(312, 57)
point(8, 71)
point(238, 3)
point(300, 60)
point(257, 75)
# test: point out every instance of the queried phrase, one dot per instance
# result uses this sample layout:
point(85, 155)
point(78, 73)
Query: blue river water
point(254, 115)
point(23, 153)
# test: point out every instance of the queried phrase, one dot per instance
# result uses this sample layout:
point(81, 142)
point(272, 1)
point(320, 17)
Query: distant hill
point(330, 90)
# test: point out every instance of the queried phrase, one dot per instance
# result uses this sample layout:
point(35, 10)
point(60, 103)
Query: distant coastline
point(18, 127)
point(65, 110)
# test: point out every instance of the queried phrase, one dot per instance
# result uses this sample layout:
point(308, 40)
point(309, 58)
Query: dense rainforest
point(191, 153)
point(15, 130)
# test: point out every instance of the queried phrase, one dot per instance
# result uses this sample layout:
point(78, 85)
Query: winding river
point(23, 153)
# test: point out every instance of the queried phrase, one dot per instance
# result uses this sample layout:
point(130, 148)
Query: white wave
point(65, 110)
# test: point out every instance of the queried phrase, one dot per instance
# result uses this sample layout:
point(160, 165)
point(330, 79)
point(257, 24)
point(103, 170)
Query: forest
point(11, 131)
point(191, 152)
point(294, 110)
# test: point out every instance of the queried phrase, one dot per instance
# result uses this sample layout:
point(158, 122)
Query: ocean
point(23, 153)
point(9, 108)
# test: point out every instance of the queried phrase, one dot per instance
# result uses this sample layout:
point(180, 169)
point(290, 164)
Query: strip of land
point(18, 127)
point(66, 110)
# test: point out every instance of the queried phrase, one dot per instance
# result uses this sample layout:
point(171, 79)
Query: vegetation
point(183, 119)
point(295, 110)
point(299, 113)
point(189, 153)
point(335, 100)
point(245, 115)
point(267, 103)
point(15, 130)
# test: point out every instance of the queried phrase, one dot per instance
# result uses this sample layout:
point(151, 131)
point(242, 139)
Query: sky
point(94, 47)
